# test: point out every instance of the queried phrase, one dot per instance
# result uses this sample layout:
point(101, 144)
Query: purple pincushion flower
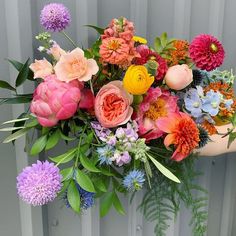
point(39, 184)
point(55, 17)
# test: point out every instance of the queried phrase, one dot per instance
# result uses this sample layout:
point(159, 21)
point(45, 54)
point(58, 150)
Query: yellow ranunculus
point(140, 40)
point(137, 81)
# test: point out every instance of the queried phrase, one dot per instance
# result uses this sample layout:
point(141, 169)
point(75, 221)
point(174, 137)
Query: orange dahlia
point(182, 132)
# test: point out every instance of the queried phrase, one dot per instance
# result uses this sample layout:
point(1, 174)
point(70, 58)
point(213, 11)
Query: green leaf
point(117, 204)
point(157, 44)
point(39, 145)
point(164, 170)
point(84, 181)
point(233, 120)
point(14, 121)
point(99, 184)
point(17, 100)
point(98, 29)
point(67, 173)
point(164, 39)
point(11, 128)
point(16, 135)
point(106, 203)
point(232, 137)
point(66, 137)
point(6, 85)
point(23, 74)
point(53, 140)
point(64, 158)
point(89, 138)
point(73, 197)
point(87, 164)
point(32, 123)
point(18, 65)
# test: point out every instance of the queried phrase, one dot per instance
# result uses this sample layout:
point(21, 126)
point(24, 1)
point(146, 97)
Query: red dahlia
point(206, 52)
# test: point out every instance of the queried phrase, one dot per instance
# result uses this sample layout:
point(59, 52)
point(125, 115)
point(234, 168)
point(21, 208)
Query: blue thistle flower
point(134, 180)
point(105, 154)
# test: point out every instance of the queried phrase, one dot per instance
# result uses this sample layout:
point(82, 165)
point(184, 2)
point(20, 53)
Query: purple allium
point(39, 184)
point(55, 17)
point(134, 180)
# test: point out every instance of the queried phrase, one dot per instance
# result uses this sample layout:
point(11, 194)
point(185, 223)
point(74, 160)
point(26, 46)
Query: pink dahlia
point(55, 100)
point(146, 54)
point(158, 103)
point(206, 52)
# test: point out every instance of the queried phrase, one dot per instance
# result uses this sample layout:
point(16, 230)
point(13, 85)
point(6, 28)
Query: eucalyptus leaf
point(164, 170)
point(39, 145)
point(73, 197)
point(84, 181)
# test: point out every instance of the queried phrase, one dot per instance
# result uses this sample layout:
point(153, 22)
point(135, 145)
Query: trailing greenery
point(162, 202)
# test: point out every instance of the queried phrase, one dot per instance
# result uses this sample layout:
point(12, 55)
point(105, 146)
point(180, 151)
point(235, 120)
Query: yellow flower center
point(113, 45)
point(214, 48)
point(157, 109)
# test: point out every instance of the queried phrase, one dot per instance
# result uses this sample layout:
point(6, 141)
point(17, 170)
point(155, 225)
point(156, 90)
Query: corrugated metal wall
point(180, 18)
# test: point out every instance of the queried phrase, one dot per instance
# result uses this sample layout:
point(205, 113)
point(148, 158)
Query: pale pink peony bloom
point(75, 66)
point(41, 68)
point(113, 105)
point(157, 104)
point(56, 51)
point(178, 77)
point(55, 100)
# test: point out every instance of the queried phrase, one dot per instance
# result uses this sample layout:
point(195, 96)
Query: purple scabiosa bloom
point(39, 184)
point(193, 102)
point(122, 158)
point(105, 154)
point(55, 17)
point(211, 102)
point(134, 180)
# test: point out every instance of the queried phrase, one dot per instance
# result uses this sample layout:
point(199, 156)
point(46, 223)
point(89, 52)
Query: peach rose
point(113, 105)
point(178, 77)
point(56, 51)
point(74, 65)
point(41, 68)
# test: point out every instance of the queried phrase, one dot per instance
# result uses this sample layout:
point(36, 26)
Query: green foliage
point(73, 197)
point(84, 181)
point(39, 145)
point(98, 29)
point(162, 201)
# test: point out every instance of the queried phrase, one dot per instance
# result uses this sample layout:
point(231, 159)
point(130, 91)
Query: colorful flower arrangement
point(134, 115)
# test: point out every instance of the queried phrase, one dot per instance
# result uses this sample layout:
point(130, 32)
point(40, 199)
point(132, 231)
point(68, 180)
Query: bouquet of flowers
point(133, 115)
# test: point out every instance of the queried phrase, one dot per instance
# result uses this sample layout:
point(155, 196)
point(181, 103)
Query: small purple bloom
point(193, 102)
point(55, 17)
point(39, 184)
point(100, 131)
point(211, 102)
point(122, 158)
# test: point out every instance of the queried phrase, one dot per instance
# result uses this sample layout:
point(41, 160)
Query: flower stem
point(68, 37)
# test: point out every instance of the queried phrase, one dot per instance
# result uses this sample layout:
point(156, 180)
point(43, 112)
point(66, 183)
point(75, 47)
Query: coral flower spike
point(182, 133)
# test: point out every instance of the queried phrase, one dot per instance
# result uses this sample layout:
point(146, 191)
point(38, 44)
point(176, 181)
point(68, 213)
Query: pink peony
point(113, 105)
point(56, 51)
point(74, 66)
point(178, 77)
point(87, 99)
point(147, 54)
point(55, 100)
point(206, 52)
point(41, 68)
point(156, 104)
